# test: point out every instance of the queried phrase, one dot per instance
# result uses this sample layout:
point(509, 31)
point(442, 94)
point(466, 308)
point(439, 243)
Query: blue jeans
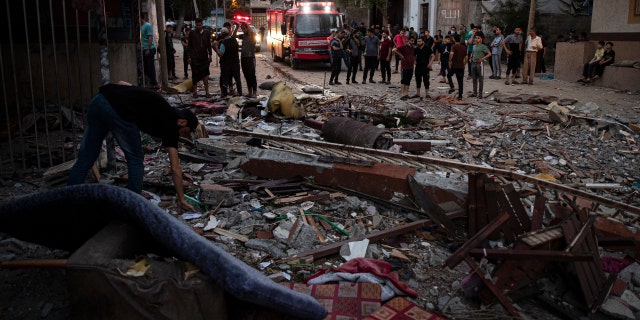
point(102, 118)
point(495, 62)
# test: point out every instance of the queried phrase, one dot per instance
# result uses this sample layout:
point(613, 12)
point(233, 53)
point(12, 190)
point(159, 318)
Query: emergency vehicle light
point(314, 4)
point(241, 18)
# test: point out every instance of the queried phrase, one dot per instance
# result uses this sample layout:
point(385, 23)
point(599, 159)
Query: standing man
point(457, 60)
point(248, 59)
point(443, 56)
point(227, 51)
point(371, 45)
point(353, 50)
point(125, 110)
point(336, 58)
point(533, 44)
point(185, 48)
point(149, 52)
point(424, 61)
point(398, 41)
point(171, 59)
point(513, 47)
point(200, 57)
point(496, 53)
point(385, 57)
point(479, 55)
point(407, 58)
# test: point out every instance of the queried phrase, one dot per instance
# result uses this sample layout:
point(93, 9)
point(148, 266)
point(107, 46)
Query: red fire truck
point(299, 31)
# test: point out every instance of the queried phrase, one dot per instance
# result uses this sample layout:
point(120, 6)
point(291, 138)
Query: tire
point(295, 63)
point(274, 56)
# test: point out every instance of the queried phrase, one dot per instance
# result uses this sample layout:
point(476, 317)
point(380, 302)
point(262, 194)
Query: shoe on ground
point(347, 81)
point(473, 95)
point(364, 81)
point(480, 96)
point(452, 90)
point(459, 97)
point(372, 81)
point(507, 82)
point(330, 83)
point(388, 82)
point(395, 71)
point(404, 98)
point(353, 81)
point(338, 83)
point(415, 96)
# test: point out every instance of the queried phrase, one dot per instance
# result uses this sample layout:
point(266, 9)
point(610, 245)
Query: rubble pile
point(513, 207)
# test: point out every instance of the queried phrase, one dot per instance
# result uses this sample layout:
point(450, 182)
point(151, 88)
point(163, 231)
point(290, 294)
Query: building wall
point(616, 16)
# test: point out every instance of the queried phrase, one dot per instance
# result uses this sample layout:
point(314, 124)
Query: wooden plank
point(518, 208)
point(527, 254)
point(501, 298)
point(429, 206)
point(512, 227)
point(471, 208)
point(230, 234)
point(481, 206)
point(538, 212)
point(569, 227)
point(491, 188)
point(478, 238)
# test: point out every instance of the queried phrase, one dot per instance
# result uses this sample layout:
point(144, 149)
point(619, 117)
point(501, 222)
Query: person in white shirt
point(533, 44)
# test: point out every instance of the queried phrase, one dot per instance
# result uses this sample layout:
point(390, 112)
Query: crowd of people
point(370, 49)
point(460, 48)
point(198, 45)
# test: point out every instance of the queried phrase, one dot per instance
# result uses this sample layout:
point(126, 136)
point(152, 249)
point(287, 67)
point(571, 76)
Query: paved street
point(619, 105)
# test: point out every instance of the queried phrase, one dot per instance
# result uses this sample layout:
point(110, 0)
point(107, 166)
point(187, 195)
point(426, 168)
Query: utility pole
point(161, 44)
point(532, 14)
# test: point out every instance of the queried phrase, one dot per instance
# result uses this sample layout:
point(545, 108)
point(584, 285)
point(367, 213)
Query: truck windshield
point(317, 25)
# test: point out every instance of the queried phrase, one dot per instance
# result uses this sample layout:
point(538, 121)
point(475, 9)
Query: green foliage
point(510, 14)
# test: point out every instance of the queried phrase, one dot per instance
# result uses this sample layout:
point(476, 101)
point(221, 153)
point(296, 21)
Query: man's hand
point(183, 203)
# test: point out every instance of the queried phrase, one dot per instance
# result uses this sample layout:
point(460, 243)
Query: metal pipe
point(33, 103)
point(44, 90)
point(57, 76)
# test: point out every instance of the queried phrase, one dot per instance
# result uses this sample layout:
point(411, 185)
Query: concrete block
point(621, 78)
point(213, 194)
point(570, 59)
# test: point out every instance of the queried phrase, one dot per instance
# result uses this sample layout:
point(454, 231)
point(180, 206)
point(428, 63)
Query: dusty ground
point(40, 293)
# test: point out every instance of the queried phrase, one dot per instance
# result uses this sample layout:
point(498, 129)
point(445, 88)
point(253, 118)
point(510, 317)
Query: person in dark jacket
point(227, 51)
point(125, 110)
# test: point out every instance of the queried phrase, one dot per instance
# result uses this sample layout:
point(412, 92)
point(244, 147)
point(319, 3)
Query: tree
point(510, 14)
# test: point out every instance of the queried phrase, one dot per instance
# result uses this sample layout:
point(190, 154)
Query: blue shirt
point(147, 31)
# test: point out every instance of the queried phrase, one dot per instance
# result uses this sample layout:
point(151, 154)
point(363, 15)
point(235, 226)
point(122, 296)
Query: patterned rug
point(347, 301)
point(399, 308)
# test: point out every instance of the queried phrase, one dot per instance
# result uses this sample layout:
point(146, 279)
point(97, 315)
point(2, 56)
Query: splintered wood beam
point(538, 212)
point(517, 206)
point(545, 255)
point(429, 206)
point(487, 282)
point(478, 238)
point(471, 208)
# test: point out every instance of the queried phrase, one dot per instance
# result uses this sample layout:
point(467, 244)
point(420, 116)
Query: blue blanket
point(66, 217)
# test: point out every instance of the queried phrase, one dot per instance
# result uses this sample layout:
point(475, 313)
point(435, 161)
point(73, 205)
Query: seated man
point(608, 58)
point(590, 67)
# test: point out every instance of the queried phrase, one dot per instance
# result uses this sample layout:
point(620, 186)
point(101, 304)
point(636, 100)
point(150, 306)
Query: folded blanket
point(67, 217)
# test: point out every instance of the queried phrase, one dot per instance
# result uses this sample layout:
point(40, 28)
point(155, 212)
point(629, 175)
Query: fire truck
point(298, 30)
